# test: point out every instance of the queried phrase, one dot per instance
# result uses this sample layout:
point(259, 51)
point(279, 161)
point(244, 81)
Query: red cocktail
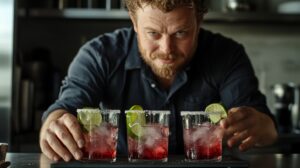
point(100, 131)
point(147, 135)
point(203, 142)
point(152, 145)
point(202, 136)
point(101, 142)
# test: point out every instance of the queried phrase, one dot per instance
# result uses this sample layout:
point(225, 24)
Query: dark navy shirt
point(108, 72)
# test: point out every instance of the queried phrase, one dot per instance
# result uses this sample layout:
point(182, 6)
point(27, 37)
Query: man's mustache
point(164, 56)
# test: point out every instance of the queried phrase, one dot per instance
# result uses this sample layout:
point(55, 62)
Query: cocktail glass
point(100, 131)
point(202, 137)
point(147, 135)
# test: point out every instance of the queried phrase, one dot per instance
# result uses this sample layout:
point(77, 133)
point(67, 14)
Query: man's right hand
point(61, 136)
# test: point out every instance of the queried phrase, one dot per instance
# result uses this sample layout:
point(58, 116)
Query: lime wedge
point(135, 119)
point(136, 107)
point(216, 107)
point(89, 118)
point(135, 116)
point(136, 130)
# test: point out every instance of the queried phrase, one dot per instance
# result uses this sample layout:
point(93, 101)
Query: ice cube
point(154, 132)
point(151, 135)
point(213, 134)
point(200, 133)
point(149, 142)
point(103, 130)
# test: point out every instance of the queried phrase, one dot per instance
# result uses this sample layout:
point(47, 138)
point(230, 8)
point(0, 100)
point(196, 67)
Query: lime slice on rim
point(89, 118)
point(136, 107)
point(216, 107)
point(135, 119)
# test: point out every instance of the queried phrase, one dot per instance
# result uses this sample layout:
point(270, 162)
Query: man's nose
point(166, 45)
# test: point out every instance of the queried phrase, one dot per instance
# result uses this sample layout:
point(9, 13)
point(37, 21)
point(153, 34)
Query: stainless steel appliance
point(239, 5)
point(6, 59)
point(295, 108)
point(287, 112)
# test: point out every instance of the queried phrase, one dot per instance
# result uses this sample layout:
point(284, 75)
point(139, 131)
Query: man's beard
point(166, 71)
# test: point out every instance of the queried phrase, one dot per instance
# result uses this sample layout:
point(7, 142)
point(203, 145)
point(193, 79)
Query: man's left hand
point(247, 127)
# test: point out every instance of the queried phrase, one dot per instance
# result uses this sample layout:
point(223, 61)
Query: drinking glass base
point(147, 160)
point(98, 160)
point(217, 159)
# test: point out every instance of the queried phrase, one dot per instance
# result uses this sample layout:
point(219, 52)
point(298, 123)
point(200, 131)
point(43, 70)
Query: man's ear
point(133, 20)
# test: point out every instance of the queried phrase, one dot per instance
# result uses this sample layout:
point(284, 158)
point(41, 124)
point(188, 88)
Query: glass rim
point(148, 111)
point(184, 113)
point(96, 110)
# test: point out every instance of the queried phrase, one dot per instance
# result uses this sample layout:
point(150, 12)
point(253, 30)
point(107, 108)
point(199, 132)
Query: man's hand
point(248, 127)
point(61, 136)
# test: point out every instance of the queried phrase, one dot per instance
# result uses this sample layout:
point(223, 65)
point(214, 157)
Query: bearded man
point(166, 61)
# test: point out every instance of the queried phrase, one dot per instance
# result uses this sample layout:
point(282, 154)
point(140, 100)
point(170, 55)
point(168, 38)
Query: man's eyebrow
point(185, 27)
point(151, 28)
point(148, 28)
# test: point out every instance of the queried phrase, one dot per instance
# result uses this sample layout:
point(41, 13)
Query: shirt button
point(153, 85)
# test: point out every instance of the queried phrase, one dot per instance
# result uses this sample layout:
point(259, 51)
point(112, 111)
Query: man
point(167, 61)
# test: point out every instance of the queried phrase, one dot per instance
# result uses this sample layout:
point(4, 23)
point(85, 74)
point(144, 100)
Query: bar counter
point(38, 160)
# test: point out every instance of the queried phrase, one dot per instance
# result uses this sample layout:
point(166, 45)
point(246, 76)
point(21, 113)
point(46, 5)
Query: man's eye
point(153, 34)
point(180, 34)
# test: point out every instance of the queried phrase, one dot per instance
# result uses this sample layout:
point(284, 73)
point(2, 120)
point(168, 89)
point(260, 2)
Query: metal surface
point(6, 57)
point(238, 5)
point(289, 7)
point(287, 100)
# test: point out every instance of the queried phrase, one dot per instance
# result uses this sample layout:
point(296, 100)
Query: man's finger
point(47, 150)
point(235, 115)
point(239, 126)
point(56, 145)
point(238, 138)
point(247, 144)
point(63, 134)
point(74, 128)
